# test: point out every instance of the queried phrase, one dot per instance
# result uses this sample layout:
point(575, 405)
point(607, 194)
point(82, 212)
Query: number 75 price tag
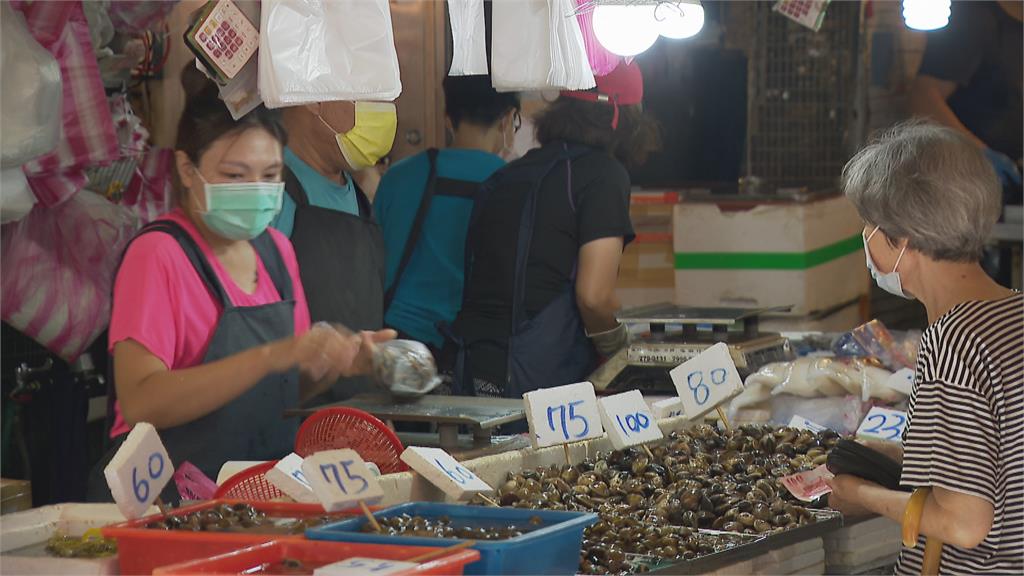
point(563, 414)
point(139, 471)
point(340, 478)
point(706, 381)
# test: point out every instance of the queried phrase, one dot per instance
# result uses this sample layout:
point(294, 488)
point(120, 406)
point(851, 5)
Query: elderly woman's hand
point(846, 495)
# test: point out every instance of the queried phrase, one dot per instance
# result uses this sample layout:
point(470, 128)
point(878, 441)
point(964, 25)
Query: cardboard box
point(647, 268)
point(742, 254)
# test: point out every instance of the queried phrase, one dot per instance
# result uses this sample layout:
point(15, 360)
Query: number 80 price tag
point(706, 381)
point(139, 471)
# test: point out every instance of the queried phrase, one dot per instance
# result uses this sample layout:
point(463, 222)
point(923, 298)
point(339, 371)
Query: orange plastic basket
point(343, 427)
point(250, 485)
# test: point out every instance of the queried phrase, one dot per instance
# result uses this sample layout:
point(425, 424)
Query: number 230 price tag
point(883, 424)
point(340, 478)
point(706, 381)
point(139, 471)
point(563, 414)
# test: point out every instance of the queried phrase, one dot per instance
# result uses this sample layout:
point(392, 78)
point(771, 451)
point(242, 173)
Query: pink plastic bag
point(601, 60)
point(57, 269)
point(193, 484)
point(150, 191)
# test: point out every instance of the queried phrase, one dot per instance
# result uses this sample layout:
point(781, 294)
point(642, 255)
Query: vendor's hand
point(1005, 168)
point(845, 496)
point(366, 343)
point(321, 353)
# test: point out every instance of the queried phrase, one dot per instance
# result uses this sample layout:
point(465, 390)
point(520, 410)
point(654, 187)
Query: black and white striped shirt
point(966, 430)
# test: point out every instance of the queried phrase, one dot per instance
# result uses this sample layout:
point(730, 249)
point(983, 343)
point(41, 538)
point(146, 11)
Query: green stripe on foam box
point(768, 260)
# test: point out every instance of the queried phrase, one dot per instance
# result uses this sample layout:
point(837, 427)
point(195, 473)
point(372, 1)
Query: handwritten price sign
point(363, 566)
point(340, 478)
point(443, 471)
point(628, 420)
point(801, 423)
point(667, 408)
point(289, 478)
point(706, 381)
point(883, 424)
point(563, 414)
point(139, 471)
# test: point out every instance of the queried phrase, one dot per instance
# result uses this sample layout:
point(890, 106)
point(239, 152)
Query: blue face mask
point(889, 282)
point(241, 210)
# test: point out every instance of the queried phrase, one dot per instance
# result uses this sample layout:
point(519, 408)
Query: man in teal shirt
point(428, 292)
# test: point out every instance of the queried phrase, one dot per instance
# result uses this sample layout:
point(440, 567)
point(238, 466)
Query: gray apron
point(252, 426)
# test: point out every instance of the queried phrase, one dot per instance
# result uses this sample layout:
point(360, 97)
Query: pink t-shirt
point(161, 302)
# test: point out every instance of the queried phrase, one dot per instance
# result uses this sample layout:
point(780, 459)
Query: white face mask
point(889, 282)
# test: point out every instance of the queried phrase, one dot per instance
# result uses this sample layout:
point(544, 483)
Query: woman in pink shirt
point(210, 331)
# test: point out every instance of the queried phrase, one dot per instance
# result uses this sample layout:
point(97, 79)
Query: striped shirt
point(966, 430)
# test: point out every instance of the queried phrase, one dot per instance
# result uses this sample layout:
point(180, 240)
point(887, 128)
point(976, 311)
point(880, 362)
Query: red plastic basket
point(250, 485)
point(343, 427)
point(141, 550)
point(316, 554)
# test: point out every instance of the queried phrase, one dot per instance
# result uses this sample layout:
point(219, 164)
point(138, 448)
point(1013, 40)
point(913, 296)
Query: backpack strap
point(417, 227)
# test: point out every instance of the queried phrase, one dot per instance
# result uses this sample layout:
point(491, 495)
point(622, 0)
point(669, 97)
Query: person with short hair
point(929, 198)
point(424, 202)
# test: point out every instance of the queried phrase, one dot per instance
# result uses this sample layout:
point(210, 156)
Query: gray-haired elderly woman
point(929, 200)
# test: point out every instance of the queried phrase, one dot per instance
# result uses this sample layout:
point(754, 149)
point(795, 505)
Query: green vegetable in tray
point(91, 545)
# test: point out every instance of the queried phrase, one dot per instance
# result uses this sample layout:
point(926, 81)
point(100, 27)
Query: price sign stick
point(568, 461)
point(369, 516)
point(163, 507)
point(441, 552)
point(721, 414)
point(489, 500)
point(648, 450)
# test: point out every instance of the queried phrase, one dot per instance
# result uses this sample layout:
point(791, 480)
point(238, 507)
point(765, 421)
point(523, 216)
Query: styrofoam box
point(789, 229)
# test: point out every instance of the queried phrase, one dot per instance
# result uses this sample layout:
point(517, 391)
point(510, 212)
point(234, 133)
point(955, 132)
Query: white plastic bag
point(16, 198)
point(326, 50)
point(469, 38)
point(537, 45)
point(30, 93)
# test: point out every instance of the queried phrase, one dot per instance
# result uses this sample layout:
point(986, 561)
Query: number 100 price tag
point(563, 414)
point(139, 471)
point(340, 479)
point(628, 419)
point(706, 381)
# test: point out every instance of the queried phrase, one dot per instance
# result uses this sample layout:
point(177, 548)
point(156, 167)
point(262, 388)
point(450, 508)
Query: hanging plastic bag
point(469, 38)
point(136, 16)
point(315, 51)
point(30, 93)
point(56, 271)
point(537, 45)
point(16, 198)
point(602, 61)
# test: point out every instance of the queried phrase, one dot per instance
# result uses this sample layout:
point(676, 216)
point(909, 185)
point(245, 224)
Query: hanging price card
point(902, 381)
point(628, 420)
point(706, 381)
point(340, 479)
point(443, 471)
point(563, 414)
point(667, 408)
point(798, 421)
point(363, 566)
point(883, 424)
point(288, 477)
point(139, 471)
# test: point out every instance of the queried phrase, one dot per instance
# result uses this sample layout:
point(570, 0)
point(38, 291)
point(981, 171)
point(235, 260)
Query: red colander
point(251, 485)
point(343, 427)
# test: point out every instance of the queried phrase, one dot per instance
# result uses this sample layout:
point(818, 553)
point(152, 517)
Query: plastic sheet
point(314, 51)
point(537, 45)
point(469, 38)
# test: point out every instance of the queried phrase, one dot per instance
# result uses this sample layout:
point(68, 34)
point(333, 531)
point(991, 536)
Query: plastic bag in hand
point(30, 93)
point(405, 368)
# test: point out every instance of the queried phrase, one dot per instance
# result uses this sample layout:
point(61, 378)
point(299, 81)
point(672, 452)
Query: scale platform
point(678, 334)
point(479, 414)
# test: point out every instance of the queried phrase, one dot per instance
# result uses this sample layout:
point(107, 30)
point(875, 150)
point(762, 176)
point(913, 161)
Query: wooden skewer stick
point(369, 516)
point(441, 552)
point(648, 450)
point(163, 507)
point(568, 461)
point(489, 501)
point(721, 415)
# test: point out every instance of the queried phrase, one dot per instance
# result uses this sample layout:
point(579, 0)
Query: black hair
point(472, 99)
point(590, 123)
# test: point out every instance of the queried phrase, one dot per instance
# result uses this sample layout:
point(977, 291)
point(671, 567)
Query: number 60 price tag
point(340, 478)
point(139, 471)
point(563, 414)
point(706, 381)
point(443, 471)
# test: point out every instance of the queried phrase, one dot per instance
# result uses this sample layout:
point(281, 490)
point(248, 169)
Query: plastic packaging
point(469, 39)
point(875, 340)
point(315, 51)
point(537, 45)
point(602, 61)
point(405, 368)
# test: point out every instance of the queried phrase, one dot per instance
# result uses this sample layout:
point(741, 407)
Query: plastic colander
point(342, 427)
point(250, 485)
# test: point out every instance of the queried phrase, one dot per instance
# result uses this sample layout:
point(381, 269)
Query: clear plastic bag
point(469, 40)
point(405, 368)
point(873, 339)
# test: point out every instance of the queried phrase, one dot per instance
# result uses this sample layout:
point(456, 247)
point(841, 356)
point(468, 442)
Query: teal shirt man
point(322, 192)
point(430, 290)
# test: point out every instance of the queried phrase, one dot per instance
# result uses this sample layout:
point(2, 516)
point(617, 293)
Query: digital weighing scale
point(679, 333)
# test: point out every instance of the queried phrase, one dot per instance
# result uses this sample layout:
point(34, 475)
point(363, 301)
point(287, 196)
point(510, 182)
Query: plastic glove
point(1004, 166)
point(610, 341)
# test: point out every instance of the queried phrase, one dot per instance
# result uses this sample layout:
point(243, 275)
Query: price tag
point(362, 566)
point(902, 381)
point(628, 420)
point(563, 414)
point(288, 476)
point(706, 381)
point(667, 408)
point(798, 421)
point(883, 424)
point(139, 471)
point(443, 471)
point(340, 478)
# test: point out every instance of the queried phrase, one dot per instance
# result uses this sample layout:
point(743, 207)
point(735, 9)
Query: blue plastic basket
point(554, 548)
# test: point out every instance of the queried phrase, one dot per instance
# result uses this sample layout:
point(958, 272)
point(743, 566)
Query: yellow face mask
point(372, 136)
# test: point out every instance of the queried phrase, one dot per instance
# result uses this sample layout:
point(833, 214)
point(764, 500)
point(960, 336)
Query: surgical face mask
point(372, 136)
point(889, 282)
point(241, 210)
